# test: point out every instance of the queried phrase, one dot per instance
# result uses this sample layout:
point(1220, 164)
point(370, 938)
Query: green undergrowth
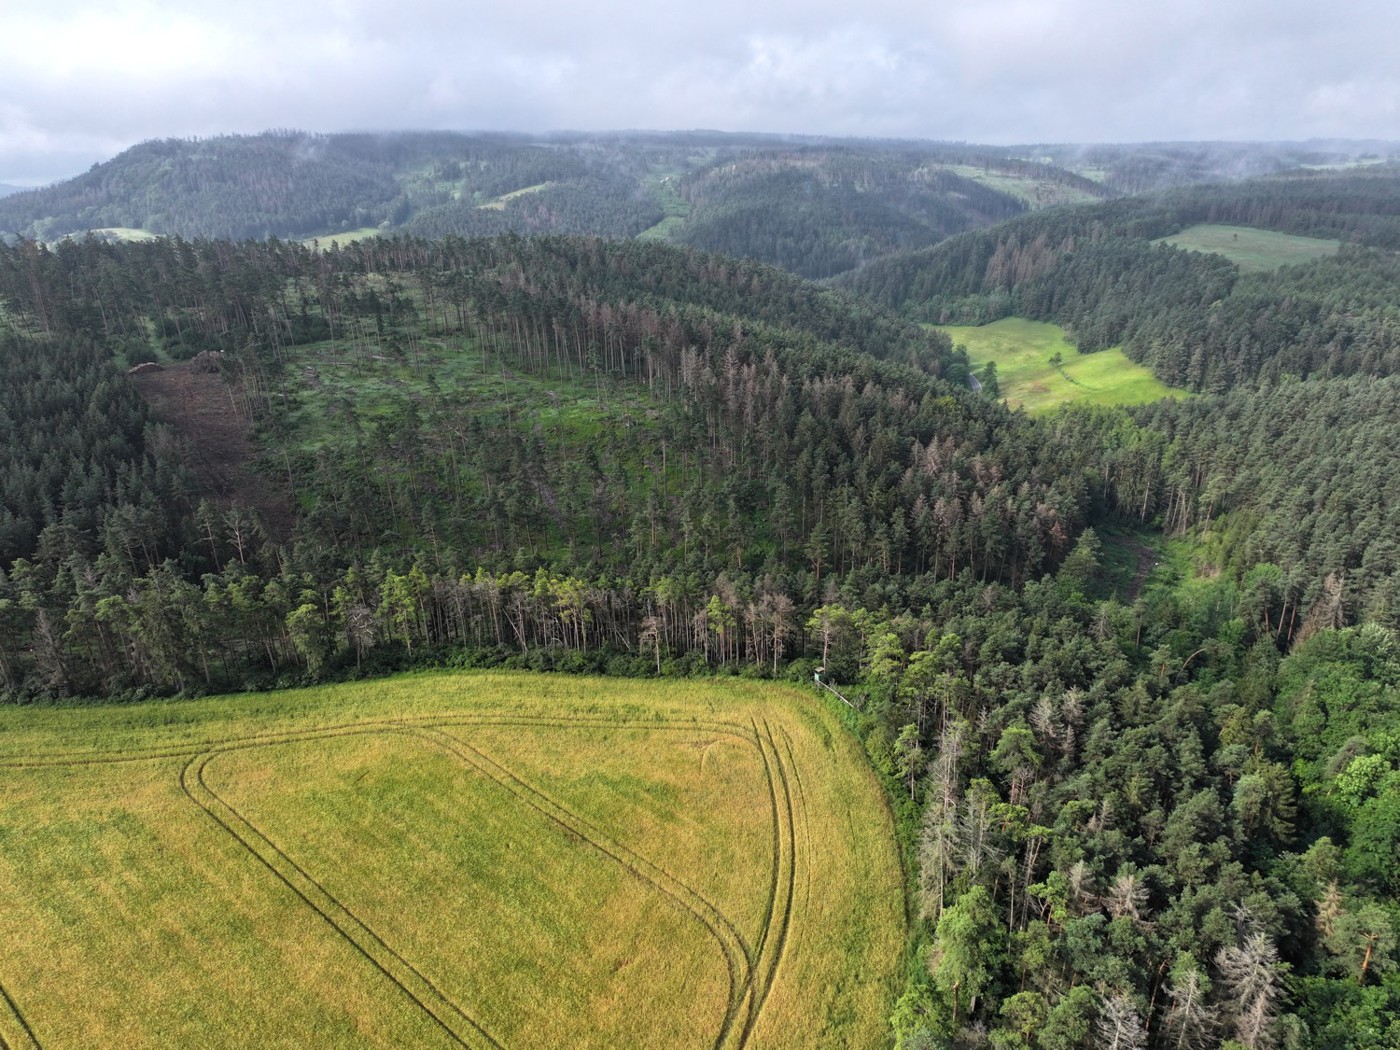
point(1038, 193)
point(338, 391)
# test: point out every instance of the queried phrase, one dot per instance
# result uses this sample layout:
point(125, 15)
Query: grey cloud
point(84, 82)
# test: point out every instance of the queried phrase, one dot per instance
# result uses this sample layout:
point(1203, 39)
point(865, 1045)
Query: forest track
point(1146, 562)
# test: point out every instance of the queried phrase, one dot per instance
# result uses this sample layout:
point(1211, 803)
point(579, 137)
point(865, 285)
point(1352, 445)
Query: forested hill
point(813, 206)
point(618, 411)
point(1192, 316)
point(822, 213)
point(817, 207)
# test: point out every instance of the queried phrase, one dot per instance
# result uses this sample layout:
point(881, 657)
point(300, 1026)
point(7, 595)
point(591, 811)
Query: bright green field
point(125, 233)
point(1252, 250)
point(446, 860)
point(1022, 350)
point(676, 207)
point(344, 237)
point(499, 203)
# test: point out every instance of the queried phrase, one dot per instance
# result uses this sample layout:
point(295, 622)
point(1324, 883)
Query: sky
point(83, 80)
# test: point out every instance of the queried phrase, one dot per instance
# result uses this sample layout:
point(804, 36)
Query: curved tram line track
point(772, 942)
point(15, 1033)
point(445, 1013)
point(751, 971)
point(731, 942)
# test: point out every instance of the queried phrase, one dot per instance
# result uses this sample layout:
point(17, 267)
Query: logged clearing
point(488, 860)
point(1253, 251)
point(124, 233)
point(1037, 193)
point(199, 406)
point(1024, 350)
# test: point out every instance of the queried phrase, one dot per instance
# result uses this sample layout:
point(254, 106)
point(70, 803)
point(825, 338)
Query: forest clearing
point(1025, 353)
point(1253, 251)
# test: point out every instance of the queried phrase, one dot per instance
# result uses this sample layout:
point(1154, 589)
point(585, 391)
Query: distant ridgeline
point(1190, 316)
point(814, 206)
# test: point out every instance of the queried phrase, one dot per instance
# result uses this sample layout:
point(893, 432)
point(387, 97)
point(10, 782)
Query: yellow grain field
point(483, 860)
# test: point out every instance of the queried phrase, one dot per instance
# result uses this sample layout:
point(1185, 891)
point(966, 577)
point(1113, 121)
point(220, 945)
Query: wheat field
point(465, 859)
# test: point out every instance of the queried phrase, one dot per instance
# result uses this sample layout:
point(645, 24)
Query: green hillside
point(814, 206)
point(1114, 274)
point(1128, 675)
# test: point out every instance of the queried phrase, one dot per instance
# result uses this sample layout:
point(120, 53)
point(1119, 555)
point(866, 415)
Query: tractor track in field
point(732, 944)
point(26, 1040)
point(806, 831)
point(751, 969)
point(370, 945)
point(781, 888)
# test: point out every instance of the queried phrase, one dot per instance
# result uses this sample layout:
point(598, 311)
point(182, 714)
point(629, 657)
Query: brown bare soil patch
point(200, 408)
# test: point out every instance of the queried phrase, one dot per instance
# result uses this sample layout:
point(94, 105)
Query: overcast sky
point(83, 80)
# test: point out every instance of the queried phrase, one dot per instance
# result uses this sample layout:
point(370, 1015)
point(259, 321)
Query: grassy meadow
point(1023, 351)
point(676, 208)
point(1253, 251)
point(473, 859)
point(499, 203)
point(341, 238)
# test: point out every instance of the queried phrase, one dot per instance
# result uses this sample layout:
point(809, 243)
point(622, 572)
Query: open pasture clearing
point(676, 208)
point(447, 860)
point(499, 203)
point(1253, 251)
point(1023, 350)
point(342, 237)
